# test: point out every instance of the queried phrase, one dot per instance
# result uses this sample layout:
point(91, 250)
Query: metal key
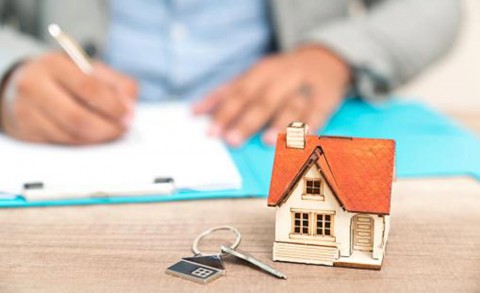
point(204, 268)
point(252, 260)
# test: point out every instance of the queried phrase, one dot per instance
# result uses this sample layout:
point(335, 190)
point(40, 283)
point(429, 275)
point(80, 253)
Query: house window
point(202, 272)
point(313, 224)
point(323, 225)
point(312, 186)
point(301, 223)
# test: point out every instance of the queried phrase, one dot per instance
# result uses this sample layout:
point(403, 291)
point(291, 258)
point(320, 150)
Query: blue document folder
point(428, 145)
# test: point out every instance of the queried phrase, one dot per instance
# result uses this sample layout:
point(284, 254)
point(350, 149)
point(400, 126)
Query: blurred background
point(452, 85)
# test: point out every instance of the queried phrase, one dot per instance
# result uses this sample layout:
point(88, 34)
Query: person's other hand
point(305, 85)
point(57, 103)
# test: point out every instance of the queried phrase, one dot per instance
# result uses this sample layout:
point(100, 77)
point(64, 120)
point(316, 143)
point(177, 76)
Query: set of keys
point(204, 268)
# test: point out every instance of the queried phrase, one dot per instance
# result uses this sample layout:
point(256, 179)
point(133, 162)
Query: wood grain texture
point(434, 246)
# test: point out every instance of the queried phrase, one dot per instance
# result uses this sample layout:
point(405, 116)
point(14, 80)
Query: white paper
point(164, 141)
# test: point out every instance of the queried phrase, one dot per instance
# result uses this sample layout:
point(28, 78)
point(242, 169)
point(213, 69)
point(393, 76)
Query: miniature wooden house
point(332, 198)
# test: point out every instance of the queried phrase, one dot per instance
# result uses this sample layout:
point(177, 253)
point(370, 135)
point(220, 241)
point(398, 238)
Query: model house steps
point(312, 254)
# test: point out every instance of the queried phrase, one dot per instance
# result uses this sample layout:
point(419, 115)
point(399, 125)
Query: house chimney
point(296, 132)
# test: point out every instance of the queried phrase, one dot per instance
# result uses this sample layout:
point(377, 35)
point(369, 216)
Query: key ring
point(234, 245)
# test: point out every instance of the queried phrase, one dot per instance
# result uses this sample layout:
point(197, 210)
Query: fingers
point(83, 125)
point(316, 118)
point(324, 106)
point(229, 100)
point(294, 110)
point(35, 127)
point(244, 86)
point(298, 109)
point(121, 82)
point(56, 103)
point(91, 91)
point(249, 118)
point(49, 132)
point(229, 110)
point(79, 121)
point(212, 100)
point(242, 93)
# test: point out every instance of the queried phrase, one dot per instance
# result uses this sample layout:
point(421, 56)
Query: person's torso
point(185, 48)
point(88, 20)
point(223, 23)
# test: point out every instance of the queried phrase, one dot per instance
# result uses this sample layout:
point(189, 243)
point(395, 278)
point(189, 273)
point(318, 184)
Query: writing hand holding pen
point(51, 100)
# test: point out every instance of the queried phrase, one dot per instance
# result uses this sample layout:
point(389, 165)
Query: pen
point(78, 56)
point(72, 48)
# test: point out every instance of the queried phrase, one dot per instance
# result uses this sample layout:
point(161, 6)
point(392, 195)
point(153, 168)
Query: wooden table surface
point(434, 246)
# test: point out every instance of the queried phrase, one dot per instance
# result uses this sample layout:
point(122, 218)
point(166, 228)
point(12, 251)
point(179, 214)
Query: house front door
point(362, 230)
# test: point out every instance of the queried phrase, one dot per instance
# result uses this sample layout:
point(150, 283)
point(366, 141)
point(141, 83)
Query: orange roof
point(358, 170)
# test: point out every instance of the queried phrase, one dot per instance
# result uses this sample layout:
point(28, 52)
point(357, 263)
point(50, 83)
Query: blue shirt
point(185, 48)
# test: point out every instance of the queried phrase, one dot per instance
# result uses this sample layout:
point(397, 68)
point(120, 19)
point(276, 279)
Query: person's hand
point(305, 85)
point(55, 102)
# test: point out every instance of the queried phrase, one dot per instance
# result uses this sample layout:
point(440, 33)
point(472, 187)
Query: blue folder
point(428, 145)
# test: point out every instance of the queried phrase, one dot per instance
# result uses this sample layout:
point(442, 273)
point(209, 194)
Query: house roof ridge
point(328, 164)
point(294, 181)
point(359, 170)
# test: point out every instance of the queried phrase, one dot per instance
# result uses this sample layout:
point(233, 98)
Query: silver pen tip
point(54, 30)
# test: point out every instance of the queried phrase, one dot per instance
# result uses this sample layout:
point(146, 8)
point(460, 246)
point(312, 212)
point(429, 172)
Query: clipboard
point(429, 144)
point(253, 161)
